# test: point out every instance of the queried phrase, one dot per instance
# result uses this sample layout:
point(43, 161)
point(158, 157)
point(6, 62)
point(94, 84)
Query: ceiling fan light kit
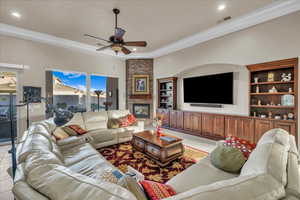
point(116, 41)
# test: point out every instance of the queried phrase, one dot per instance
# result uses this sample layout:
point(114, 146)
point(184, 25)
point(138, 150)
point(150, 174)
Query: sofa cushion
point(228, 159)
point(58, 182)
point(102, 135)
point(39, 158)
point(78, 153)
point(76, 119)
point(115, 114)
point(270, 158)
point(205, 172)
point(88, 165)
point(254, 187)
point(34, 142)
point(293, 175)
point(277, 135)
point(49, 124)
point(95, 120)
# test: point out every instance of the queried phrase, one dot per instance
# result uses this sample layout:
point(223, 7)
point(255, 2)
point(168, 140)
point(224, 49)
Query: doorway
point(8, 95)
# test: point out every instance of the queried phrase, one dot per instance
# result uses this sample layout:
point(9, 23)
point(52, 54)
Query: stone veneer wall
point(139, 66)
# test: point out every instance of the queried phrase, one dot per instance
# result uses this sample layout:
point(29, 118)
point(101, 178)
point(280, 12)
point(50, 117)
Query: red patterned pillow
point(77, 129)
point(123, 121)
point(131, 119)
point(157, 191)
point(244, 146)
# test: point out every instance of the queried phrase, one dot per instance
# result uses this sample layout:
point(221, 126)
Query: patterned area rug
point(123, 155)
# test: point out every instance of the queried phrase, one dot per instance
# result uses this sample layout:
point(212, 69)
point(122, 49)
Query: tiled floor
point(5, 160)
point(5, 180)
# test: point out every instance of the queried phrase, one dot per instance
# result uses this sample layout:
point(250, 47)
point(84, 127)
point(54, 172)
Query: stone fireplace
point(139, 67)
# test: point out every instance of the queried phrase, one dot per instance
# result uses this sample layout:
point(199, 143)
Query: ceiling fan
point(116, 41)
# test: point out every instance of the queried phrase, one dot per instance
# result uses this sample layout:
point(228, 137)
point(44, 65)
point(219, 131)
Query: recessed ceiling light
point(221, 7)
point(16, 14)
point(134, 49)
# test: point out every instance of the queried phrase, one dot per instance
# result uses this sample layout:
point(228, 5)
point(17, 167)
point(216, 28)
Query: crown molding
point(267, 13)
point(14, 66)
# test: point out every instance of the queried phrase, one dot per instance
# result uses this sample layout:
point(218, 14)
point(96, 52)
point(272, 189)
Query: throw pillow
point(134, 187)
point(157, 191)
point(131, 119)
point(123, 121)
point(60, 134)
point(110, 175)
point(228, 159)
point(74, 130)
point(244, 146)
point(113, 123)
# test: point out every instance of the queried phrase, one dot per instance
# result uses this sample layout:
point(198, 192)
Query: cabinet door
point(196, 123)
point(213, 125)
point(179, 119)
point(187, 125)
point(288, 126)
point(166, 116)
point(241, 127)
point(261, 127)
point(173, 117)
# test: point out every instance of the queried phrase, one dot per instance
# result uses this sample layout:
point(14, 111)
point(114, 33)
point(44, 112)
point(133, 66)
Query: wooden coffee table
point(162, 152)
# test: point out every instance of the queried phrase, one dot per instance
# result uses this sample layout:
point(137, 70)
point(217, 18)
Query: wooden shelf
point(163, 90)
point(269, 93)
point(273, 83)
point(279, 107)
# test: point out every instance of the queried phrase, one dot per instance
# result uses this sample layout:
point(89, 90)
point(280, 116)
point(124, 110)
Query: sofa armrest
point(23, 191)
point(261, 186)
point(141, 124)
point(70, 142)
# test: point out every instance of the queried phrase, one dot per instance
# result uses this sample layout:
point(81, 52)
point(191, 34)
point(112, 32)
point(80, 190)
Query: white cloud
point(74, 75)
point(81, 87)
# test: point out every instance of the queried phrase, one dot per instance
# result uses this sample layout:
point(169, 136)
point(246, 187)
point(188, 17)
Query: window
point(79, 92)
point(69, 91)
point(98, 92)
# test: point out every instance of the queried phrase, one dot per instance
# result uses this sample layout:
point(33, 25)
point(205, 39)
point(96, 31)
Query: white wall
point(274, 40)
point(240, 89)
point(41, 57)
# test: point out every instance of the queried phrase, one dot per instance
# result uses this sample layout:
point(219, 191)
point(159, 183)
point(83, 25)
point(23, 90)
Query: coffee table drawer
point(153, 150)
point(139, 143)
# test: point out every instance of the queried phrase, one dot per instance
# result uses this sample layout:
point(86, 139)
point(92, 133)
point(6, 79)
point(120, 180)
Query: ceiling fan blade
point(100, 44)
point(119, 33)
point(125, 50)
point(98, 38)
point(102, 48)
point(136, 43)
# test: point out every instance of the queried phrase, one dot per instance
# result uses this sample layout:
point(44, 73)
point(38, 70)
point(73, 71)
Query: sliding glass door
point(8, 94)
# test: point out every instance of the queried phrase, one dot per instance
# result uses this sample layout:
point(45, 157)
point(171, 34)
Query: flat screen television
point(214, 89)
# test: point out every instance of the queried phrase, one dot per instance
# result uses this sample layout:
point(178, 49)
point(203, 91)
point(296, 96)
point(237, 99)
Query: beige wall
point(40, 57)
point(274, 40)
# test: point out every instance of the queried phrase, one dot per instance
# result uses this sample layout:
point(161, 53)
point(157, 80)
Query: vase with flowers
point(158, 123)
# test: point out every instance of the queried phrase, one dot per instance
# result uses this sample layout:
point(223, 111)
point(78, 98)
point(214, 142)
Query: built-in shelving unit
point(267, 77)
point(167, 93)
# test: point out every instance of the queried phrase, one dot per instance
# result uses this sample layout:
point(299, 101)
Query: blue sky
point(78, 80)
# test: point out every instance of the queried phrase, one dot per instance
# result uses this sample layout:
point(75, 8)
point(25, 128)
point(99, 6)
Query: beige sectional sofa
point(66, 171)
point(96, 123)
